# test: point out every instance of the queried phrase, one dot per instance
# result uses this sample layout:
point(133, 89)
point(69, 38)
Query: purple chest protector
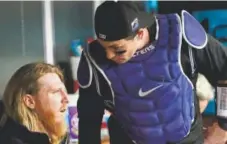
point(152, 96)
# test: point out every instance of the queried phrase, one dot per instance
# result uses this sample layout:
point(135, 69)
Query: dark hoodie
point(12, 132)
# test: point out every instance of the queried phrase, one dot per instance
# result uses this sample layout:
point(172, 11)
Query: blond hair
point(25, 81)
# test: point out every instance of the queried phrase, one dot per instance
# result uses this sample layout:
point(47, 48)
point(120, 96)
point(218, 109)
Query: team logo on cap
point(135, 24)
point(102, 36)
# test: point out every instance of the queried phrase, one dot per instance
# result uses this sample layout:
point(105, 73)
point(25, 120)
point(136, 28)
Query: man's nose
point(65, 97)
point(120, 52)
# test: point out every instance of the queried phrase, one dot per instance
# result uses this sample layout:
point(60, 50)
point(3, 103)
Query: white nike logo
point(142, 94)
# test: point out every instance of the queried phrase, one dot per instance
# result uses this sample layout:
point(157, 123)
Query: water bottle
point(76, 47)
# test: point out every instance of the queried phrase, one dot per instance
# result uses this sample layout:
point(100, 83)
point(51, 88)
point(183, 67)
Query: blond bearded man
point(33, 107)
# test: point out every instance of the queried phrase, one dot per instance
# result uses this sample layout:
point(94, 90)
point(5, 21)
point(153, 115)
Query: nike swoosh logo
point(143, 94)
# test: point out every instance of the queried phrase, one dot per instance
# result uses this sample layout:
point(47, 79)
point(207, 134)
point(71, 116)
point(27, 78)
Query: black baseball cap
point(121, 19)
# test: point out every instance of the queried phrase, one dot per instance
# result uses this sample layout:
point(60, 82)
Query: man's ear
point(140, 33)
point(29, 101)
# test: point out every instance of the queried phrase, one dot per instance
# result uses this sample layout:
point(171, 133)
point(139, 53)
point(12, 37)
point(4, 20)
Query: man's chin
point(61, 128)
point(120, 61)
point(58, 127)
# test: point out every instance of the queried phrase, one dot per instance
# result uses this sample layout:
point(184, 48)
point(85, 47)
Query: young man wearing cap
point(143, 69)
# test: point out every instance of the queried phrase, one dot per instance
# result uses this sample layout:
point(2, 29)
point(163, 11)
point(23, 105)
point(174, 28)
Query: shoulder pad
point(193, 32)
point(84, 73)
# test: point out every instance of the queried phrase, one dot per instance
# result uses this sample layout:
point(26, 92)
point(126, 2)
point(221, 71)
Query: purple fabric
point(194, 31)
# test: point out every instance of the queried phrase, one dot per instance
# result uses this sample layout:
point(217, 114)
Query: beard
point(56, 130)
